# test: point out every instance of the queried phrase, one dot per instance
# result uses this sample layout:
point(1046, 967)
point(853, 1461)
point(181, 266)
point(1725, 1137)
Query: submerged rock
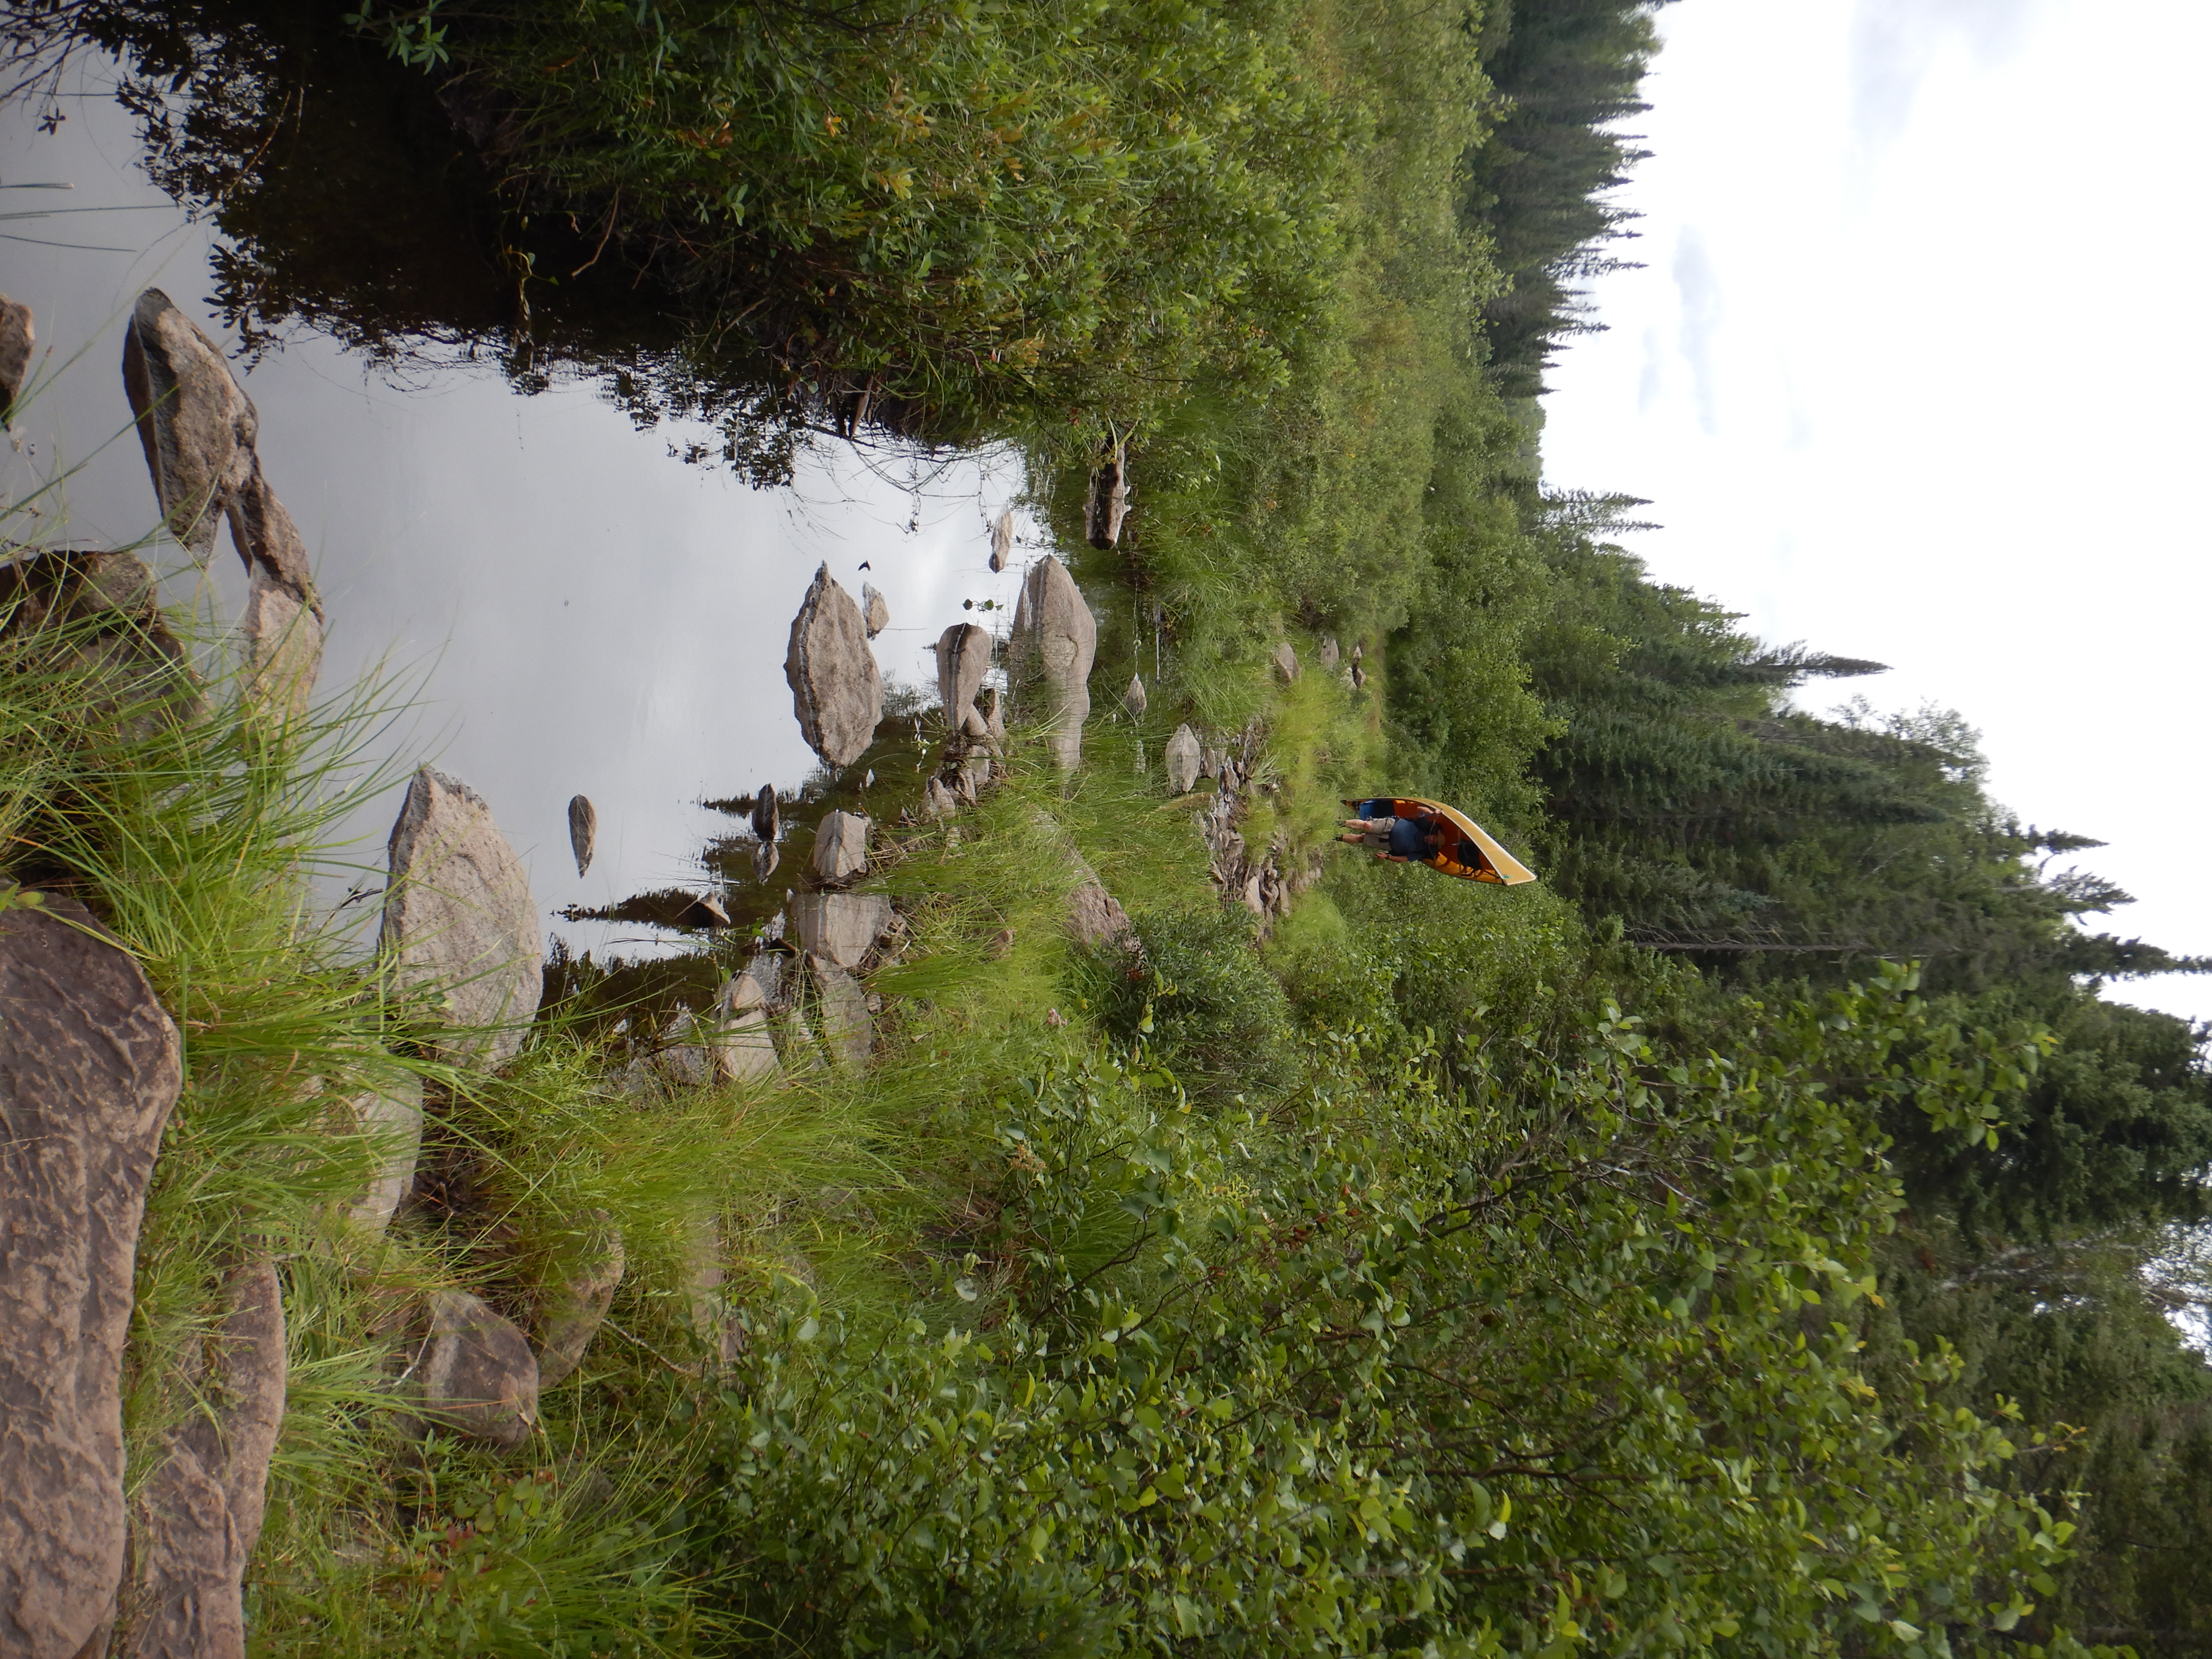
point(840, 927)
point(479, 1378)
point(836, 690)
point(963, 657)
point(1183, 757)
point(459, 919)
point(583, 831)
point(88, 1073)
point(198, 1515)
point(1002, 540)
point(875, 610)
point(840, 847)
point(16, 338)
point(575, 1304)
point(1054, 638)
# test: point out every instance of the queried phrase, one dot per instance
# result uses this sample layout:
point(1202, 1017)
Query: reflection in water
point(584, 614)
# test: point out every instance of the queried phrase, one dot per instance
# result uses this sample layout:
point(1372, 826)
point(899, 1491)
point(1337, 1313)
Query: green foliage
point(1332, 1400)
point(1213, 1013)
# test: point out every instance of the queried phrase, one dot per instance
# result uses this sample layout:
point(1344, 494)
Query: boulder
point(459, 919)
point(1286, 662)
point(479, 1378)
point(1328, 651)
point(1133, 699)
point(1183, 755)
point(281, 639)
point(835, 688)
point(1054, 638)
point(767, 816)
point(16, 337)
point(574, 1304)
point(389, 1118)
point(1002, 540)
point(840, 927)
point(964, 657)
point(745, 1048)
point(875, 610)
point(1095, 917)
point(843, 1010)
point(840, 847)
point(765, 858)
point(198, 1515)
point(88, 1072)
point(995, 721)
point(195, 422)
point(583, 831)
point(938, 800)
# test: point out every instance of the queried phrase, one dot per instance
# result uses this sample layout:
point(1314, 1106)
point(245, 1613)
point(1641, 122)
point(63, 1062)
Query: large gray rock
point(875, 610)
point(1286, 661)
point(840, 927)
point(198, 1515)
point(1184, 755)
point(88, 1072)
point(479, 1378)
point(586, 1271)
point(1054, 639)
point(1002, 540)
point(459, 920)
point(1133, 699)
point(840, 847)
point(1328, 651)
point(198, 429)
point(1110, 499)
point(964, 657)
point(842, 1007)
point(1095, 917)
point(389, 1119)
point(195, 422)
point(16, 338)
point(583, 831)
point(835, 688)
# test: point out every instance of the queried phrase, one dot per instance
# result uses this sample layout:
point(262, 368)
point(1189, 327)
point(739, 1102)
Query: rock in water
point(1286, 662)
point(198, 429)
point(1183, 755)
point(1054, 638)
point(846, 1026)
point(767, 819)
point(88, 1072)
point(583, 831)
point(964, 657)
point(840, 847)
point(1134, 700)
point(390, 1119)
point(765, 858)
point(199, 1514)
point(16, 337)
point(575, 1304)
point(875, 610)
point(840, 927)
point(459, 919)
point(1002, 541)
point(835, 688)
point(479, 1378)
point(195, 421)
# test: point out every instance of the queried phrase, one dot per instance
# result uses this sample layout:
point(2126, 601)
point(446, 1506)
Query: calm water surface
point(577, 610)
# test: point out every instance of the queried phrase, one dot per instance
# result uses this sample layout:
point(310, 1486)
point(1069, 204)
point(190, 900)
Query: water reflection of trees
point(354, 199)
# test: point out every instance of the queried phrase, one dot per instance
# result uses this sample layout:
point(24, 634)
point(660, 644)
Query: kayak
point(1478, 856)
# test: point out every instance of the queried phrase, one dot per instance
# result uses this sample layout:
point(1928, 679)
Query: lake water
point(578, 610)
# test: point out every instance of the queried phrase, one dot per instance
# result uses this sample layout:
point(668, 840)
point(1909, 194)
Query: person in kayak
point(1424, 836)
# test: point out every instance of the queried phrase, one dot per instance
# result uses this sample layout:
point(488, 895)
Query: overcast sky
point(1908, 373)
